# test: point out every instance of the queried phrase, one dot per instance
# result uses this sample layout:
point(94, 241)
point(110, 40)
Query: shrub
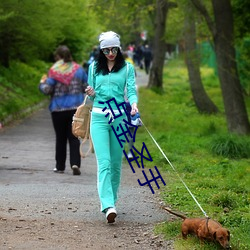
point(223, 200)
point(231, 146)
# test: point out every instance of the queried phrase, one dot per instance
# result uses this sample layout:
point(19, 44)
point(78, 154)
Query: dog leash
point(175, 170)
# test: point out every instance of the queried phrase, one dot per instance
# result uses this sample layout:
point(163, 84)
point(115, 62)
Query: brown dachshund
point(204, 229)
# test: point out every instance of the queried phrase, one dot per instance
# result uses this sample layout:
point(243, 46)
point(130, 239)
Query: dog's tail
point(175, 213)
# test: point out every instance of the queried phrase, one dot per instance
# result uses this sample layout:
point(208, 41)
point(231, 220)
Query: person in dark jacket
point(147, 54)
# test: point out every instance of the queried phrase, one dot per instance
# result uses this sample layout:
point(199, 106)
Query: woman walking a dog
point(108, 78)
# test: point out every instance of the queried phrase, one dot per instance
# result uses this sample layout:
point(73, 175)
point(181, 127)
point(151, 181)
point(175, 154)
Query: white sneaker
point(111, 214)
point(76, 170)
point(130, 156)
point(58, 171)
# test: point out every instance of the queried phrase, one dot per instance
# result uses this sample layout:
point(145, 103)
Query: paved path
point(141, 78)
point(31, 191)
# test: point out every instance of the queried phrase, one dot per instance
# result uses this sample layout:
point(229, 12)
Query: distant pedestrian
point(147, 55)
point(93, 55)
point(138, 56)
point(65, 84)
point(128, 59)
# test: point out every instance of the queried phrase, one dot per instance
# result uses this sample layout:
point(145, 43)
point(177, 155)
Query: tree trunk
point(201, 99)
point(159, 46)
point(223, 38)
point(235, 109)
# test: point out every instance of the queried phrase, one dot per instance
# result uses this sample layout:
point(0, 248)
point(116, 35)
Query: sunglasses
point(106, 51)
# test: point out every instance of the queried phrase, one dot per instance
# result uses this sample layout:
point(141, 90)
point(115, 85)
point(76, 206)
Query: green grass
point(214, 164)
point(19, 88)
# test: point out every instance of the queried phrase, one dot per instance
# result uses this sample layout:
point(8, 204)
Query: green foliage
point(175, 25)
point(224, 200)
point(29, 33)
point(170, 230)
point(19, 87)
point(231, 146)
point(128, 18)
point(243, 59)
point(219, 183)
point(175, 28)
point(241, 17)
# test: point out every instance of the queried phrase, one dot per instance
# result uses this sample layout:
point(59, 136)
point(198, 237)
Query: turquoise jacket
point(113, 85)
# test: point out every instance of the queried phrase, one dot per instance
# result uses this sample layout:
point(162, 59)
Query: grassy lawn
point(19, 88)
point(214, 164)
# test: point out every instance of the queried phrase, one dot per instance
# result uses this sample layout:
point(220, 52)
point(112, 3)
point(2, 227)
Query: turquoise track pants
point(109, 157)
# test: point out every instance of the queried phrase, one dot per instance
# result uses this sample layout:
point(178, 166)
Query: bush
point(19, 88)
point(223, 200)
point(231, 146)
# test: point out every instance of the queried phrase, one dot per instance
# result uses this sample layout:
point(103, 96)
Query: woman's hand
point(134, 109)
point(90, 91)
point(43, 79)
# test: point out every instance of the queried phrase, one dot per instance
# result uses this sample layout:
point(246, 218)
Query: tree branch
point(202, 9)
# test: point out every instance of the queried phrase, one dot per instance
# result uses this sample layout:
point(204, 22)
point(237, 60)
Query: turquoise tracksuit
point(107, 148)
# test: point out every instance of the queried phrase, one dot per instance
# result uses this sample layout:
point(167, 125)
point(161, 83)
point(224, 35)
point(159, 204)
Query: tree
point(201, 99)
point(159, 44)
point(127, 17)
point(28, 33)
point(223, 38)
